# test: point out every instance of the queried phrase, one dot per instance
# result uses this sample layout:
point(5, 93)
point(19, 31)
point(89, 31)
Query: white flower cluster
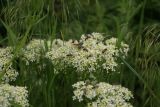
point(10, 95)
point(10, 74)
point(13, 95)
point(90, 53)
point(102, 94)
point(33, 51)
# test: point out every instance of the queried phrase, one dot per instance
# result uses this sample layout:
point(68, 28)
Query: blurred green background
point(137, 22)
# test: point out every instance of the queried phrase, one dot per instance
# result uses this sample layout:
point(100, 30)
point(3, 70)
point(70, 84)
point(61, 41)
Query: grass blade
point(141, 79)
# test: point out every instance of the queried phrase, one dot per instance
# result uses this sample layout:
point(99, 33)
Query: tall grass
point(128, 20)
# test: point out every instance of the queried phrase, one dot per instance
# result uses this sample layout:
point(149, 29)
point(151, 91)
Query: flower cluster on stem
point(91, 52)
point(102, 94)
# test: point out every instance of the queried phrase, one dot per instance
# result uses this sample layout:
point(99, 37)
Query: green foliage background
point(135, 21)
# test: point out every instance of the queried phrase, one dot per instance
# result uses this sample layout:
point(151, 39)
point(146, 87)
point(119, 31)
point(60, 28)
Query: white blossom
point(33, 51)
point(89, 54)
point(102, 94)
point(13, 94)
point(6, 56)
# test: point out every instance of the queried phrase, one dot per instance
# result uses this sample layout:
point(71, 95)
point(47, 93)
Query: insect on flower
point(69, 54)
point(88, 36)
point(103, 51)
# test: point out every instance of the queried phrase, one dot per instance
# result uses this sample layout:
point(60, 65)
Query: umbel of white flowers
point(6, 55)
point(102, 94)
point(13, 95)
point(91, 52)
point(10, 95)
point(32, 52)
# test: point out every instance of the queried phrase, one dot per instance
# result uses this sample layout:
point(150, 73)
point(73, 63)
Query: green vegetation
point(136, 22)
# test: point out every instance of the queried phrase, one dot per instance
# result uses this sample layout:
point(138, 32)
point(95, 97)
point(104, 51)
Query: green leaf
point(11, 35)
